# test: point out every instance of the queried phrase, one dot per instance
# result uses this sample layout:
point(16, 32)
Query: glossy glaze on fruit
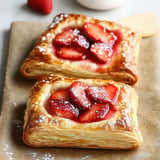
point(91, 42)
point(83, 103)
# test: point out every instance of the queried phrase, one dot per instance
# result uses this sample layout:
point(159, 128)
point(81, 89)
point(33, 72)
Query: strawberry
point(98, 33)
point(71, 37)
point(70, 53)
point(80, 41)
point(64, 109)
point(43, 6)
point(66, 37)
point(60, 95)
point(78, 95)
point(106, 94)
point(97, 112)
point(102, 52)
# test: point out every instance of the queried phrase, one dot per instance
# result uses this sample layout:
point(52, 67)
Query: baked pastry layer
point(42, 61)
point(42, 129)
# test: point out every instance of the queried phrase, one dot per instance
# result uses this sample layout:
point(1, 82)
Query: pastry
point(83, 113)
point(81, 46)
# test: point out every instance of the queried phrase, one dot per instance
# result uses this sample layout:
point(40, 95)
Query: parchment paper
point(22, 39)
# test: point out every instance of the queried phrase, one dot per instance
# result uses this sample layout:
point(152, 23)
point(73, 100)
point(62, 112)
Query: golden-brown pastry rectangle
point(43, 129)
point(121, 67)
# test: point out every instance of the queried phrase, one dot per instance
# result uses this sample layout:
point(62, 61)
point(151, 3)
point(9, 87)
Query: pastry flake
point(61, 114)
point(81, 46)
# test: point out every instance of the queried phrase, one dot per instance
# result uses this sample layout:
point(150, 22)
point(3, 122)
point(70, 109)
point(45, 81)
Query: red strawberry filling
point(98, 33)
point(97, 112)
point(79, 96)
point(60, 95)
point(92, 41)
point(102, 52)
point(66, 37)
point(70, 53)
point(83, 103)
point(64, 109)
point(105, 94)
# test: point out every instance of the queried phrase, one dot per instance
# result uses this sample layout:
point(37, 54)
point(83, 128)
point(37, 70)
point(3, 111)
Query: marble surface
point(17, 10)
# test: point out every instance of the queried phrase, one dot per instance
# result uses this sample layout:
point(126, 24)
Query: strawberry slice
point(80, 41)
point(65, 38)
point(71, 37)
point(43, 6)
point(64, 109)
point(106, 94)
point(97, 112)
point(70, 53)
point(78, 95)
point(60, 95)
point(102, 52)
point(98, 33)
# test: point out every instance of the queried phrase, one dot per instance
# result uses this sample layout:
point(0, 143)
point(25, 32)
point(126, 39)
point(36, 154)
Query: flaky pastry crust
point(42, 129)
point(122, 67)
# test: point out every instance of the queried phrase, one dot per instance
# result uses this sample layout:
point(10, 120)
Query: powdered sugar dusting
point(48, 35)
point(43, 38)
point(57, 19)
point(87, 157)
point(15, 104)
point(9, 154)
point(41, 156)
point(41, 50)
point(110, 124)
point(47, 156)
point(41, 119)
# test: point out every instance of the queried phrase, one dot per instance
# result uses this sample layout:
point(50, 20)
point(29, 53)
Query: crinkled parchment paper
point(22, 39)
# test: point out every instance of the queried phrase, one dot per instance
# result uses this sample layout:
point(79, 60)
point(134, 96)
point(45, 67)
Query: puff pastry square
point(121, 51)
point(42, 128)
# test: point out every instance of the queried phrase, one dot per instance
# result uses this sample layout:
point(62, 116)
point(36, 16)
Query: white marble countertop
point(17, 10)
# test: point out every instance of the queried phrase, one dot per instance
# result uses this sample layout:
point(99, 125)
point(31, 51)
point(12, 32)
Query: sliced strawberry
point(81, 41)
point(106, 94)
point(98, 33)
point(97, 112)
point(102, 52)
point(64, 109)
point(78, 95)
point(66, 37)
point(43, 6)
point(60, 95)
point(70, 53)
point(71, 37)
